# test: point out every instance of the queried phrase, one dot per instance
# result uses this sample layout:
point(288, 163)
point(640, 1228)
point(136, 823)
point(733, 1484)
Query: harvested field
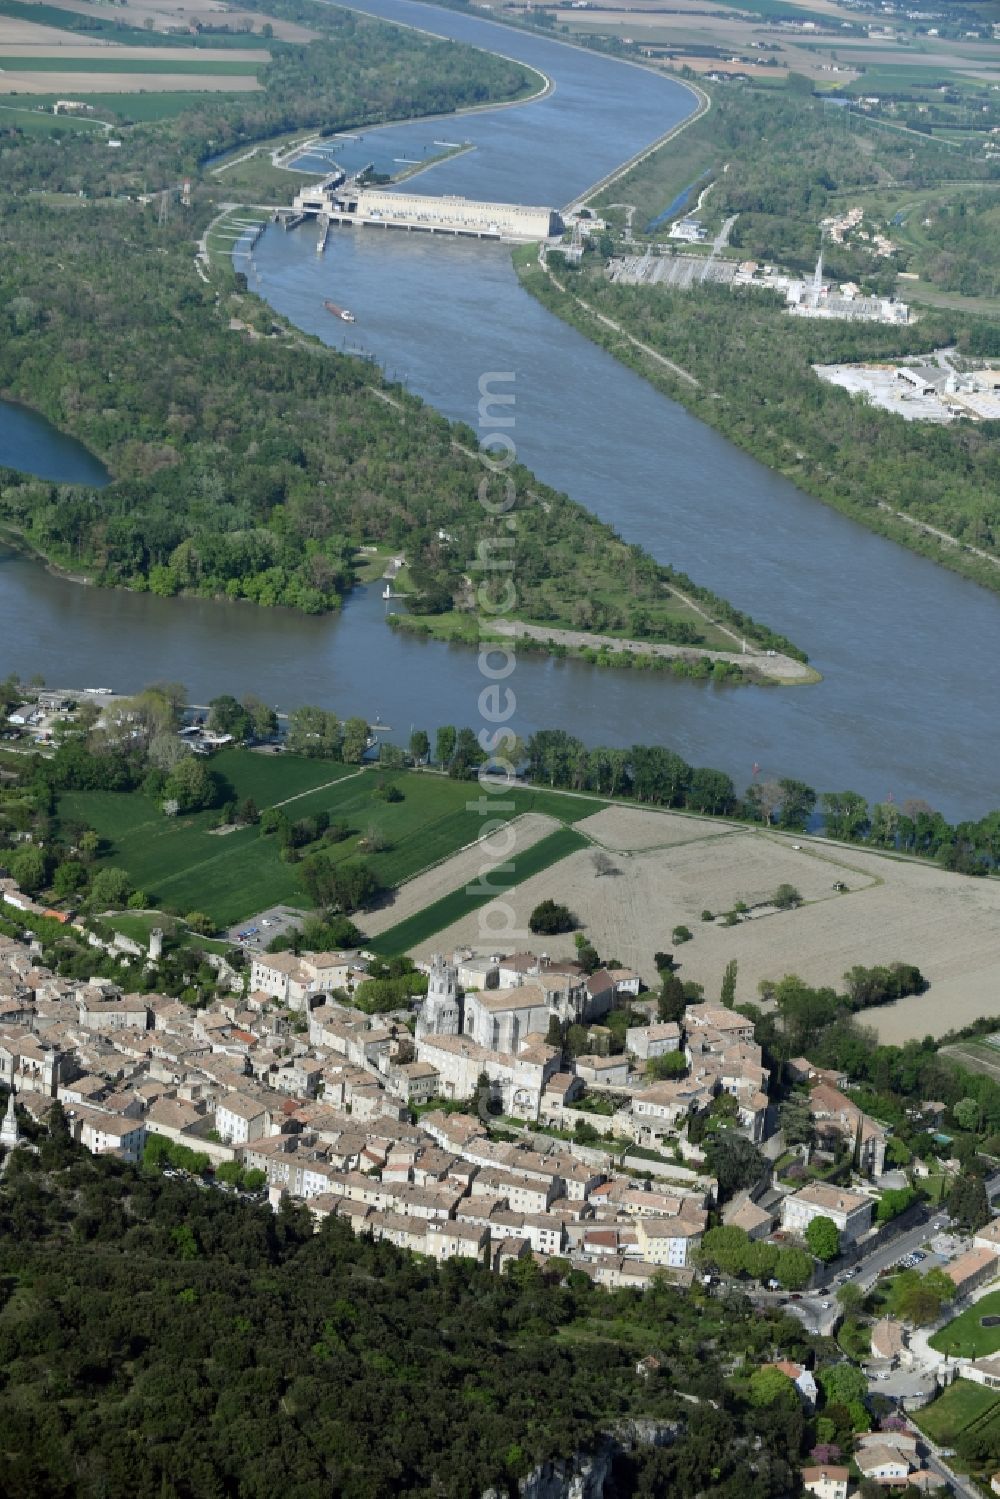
point(20, 33)
point(95, 50)
point(165, 15)
point(949, 925)
point(75, 84)
point(634, 828)
point(481, 901)
point(461, 869)
point(630, 913)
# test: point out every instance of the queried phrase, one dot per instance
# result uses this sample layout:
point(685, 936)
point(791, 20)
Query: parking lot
point(936, 1251)
point(258, 931)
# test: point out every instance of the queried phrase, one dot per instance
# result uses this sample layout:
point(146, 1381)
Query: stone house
point(851, 1212)
point(240, 1118)
point(827, 1482)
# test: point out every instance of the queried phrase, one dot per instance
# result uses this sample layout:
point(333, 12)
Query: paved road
point(958, 1482)
point(895, 1249)
point(818, 1310)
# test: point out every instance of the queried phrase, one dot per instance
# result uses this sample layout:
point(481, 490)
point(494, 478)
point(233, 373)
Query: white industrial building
point(384, 208)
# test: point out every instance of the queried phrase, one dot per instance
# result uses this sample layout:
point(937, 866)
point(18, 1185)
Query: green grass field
point(777, 10)
point(25, 117)
point(182, 863)
point(130, 108)
point(101, 62)
point(962, 1405)
point(139, 924)
point(450, 908)
point(257, 181)
point(889, 78)
point(975, 1056)
point(964, 1337)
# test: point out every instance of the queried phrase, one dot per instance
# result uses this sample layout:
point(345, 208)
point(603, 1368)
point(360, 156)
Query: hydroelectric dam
point(346, 203)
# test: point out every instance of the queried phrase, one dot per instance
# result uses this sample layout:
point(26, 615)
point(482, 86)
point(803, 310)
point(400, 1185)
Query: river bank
point(762, 666)
point(16, 540)
point(698, 663)
point(612, 333)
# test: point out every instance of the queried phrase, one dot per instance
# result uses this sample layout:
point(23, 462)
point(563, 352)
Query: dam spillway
point(448, 215)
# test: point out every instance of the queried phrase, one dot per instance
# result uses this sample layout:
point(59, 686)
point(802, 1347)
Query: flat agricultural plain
point(72, 85)
point(464, 868)
point(187, 864)
point(184, 863)
point(103, 52)
point(39, 59)
point(665, 874)
point(165, 14)
point(17, 33)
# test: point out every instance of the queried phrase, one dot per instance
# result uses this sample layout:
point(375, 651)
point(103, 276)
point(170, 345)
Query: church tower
point(440, 1014)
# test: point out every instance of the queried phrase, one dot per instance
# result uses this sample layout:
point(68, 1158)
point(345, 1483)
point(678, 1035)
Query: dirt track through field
point(459, 870)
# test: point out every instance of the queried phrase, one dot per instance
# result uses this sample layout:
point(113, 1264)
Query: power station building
point(452, 215)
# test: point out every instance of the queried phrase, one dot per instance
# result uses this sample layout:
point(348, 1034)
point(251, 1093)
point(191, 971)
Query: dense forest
point(157, 1342)
point(964, 239)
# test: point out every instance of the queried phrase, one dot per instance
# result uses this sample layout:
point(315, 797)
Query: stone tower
point(155, 945)
point(10, 1135)
point(440, 1014)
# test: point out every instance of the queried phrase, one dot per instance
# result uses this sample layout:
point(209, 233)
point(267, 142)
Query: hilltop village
point(320, 1098)
point(464, 1138)
point(506, 1117)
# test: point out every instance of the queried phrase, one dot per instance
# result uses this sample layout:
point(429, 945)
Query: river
point(908, 650)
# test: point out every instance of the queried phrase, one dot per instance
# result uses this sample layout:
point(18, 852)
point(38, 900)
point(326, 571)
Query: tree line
point(660, 777)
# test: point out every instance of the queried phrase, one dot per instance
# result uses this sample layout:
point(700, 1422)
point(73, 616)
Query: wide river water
point(909, 652)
